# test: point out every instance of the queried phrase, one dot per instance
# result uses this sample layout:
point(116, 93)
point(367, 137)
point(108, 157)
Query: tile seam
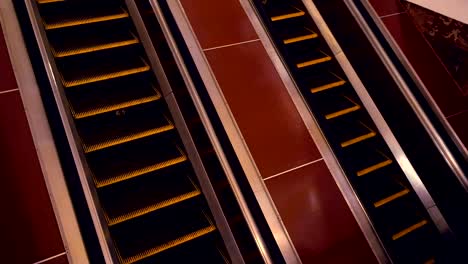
point(232, 44)
point(50, 258)
point(393, 14)
point(9, 91)
point(293, 169)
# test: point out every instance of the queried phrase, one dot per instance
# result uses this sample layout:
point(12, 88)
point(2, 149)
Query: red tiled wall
point(314, 211)
point(442, 87)
point(29, 232)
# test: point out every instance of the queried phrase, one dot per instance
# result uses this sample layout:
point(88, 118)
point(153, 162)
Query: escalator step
point(113, 107)
point(162, 230)
point(154, 207)
point(140, 171)
point(127, 161)
point(74, 44)
point(124, 139)
point(77, 74)
point(103, 97)
point(181, 240)
point(89, 16)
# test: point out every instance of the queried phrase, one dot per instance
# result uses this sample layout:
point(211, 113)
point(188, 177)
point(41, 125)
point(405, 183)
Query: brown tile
point(7, 77)
point(263, 109)
point(433, 73)
point(317, 217)
point(58, 260)
point(31, 232)
point(218, 23)
point(460, 125)
point(387, 7)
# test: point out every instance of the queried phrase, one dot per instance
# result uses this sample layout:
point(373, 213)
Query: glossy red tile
point(62, 259)
point(387, 7)
point(7, 77)
point(317, 217)
point(31, 233)
point(433, 73)
point(263, 109)
point(218, 23)
point(460, 125)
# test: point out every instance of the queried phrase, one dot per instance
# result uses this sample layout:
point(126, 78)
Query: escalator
point(151, 200)
point(399, 218)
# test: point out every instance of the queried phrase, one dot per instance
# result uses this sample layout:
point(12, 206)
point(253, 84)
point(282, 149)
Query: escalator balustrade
point(147, 190)
point(398, 216)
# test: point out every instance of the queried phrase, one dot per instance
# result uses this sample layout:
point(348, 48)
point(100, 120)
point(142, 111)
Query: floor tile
point(263, 109)
point(317, 217)
point(31, 232)
point(7, 77)
point(435, 76)
point(218, 23)
point(386, 7)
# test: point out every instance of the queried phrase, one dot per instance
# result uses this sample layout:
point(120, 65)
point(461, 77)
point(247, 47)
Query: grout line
point(293, 169)
point(233, 44)
point(458, 113)
point(9, 91)
point(53, 257)
point(394, 14)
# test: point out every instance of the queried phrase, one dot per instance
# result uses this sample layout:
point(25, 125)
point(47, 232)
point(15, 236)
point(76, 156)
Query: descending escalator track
point(399, 218)
point(146, 187)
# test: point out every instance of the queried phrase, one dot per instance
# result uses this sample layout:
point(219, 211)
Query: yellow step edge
point(138, 172)
point(343, 112)
point(77, 51)
point(327, 86)
point(374, 167)
point(358, 139)
point(84, 21)
point(298, 13)
point(152, 208)
point(409, 230)
point(313, 62)
point(391, 198)
point(49, 1)
point(110, 108)
point(128, 138)
point(170, 244)
point(107, 76)
point(312, 35)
